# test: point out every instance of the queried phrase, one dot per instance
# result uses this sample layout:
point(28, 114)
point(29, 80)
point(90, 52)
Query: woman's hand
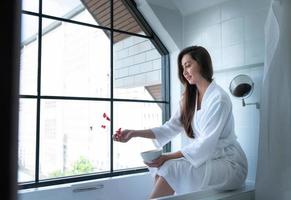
point(163, 158)
point(123, 136)
point(158, 162)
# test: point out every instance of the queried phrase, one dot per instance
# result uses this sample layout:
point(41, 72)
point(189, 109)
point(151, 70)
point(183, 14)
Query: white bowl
point(150, 155)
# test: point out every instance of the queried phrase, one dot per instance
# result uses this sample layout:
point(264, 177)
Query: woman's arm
point(163, 158)
point(147, 133)
point(161, 134)
point(126, 135)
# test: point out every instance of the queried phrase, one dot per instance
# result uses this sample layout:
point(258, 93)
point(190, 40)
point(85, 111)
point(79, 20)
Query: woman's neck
point(202, 86)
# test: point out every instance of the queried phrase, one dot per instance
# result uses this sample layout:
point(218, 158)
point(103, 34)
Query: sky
point(50, 7)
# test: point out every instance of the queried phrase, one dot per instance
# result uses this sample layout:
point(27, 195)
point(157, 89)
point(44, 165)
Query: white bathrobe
point(214, 159)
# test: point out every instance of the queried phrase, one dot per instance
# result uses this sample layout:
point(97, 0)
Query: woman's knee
point(156, 178)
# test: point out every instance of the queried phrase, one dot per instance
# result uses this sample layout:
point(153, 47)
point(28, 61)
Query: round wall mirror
point(241, 86)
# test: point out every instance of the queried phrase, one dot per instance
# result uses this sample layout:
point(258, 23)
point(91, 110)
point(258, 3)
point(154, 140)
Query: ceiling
point(186, 7)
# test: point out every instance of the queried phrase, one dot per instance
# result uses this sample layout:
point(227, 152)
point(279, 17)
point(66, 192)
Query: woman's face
point(191, 69)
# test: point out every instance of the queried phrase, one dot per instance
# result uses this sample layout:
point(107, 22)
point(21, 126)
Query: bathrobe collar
point(210, 88)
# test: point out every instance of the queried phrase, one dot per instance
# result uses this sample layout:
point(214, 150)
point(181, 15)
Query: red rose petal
point(118, 131)
point(104, 115)
point(103, 126)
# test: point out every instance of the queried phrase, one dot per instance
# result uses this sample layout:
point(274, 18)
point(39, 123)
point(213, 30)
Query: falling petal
point(104, 115)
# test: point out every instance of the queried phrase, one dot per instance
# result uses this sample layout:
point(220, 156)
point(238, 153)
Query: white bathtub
point(130, 187)
point(135, 187)
point(245, 193)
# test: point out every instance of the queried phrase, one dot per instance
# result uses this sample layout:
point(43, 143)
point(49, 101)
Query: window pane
point(30, 5)
point(75, 61)
point(100, 11)
point(72, 138)
point(137, 69)
point(87, 12)
point(128, 115)
point(28, 55)
point(123, 19)
point(26, 140)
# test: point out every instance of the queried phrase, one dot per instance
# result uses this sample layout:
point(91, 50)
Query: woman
point(213, 158)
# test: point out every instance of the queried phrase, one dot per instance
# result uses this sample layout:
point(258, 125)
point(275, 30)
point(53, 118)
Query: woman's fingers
point(121, 136)
point(150, 164)
point(153, 164)
point(157, 162)
point(117, 137)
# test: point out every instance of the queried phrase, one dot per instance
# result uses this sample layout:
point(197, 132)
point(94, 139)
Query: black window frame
point(165, 68)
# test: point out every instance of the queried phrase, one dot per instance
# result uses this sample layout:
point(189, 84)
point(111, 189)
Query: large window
point(88, 68)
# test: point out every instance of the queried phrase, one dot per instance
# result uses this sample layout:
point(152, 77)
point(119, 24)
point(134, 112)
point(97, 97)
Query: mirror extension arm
point(257, 104)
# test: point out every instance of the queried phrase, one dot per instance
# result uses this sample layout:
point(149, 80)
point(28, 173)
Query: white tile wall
point(232, 9)
point(211, 34)
point(253, 51)
point(254, 5)
point(234, 28)
point(232, 31)
point(232, 56)
point(254, 24)
point(216, 56)
point(205, 18)
point(246, 118)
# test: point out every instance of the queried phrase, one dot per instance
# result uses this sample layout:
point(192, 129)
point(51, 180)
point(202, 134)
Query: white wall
point(127, 187)
point(166, 23)
point(171, 20)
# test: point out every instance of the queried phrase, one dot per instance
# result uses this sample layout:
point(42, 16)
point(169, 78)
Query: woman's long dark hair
point(202, 57)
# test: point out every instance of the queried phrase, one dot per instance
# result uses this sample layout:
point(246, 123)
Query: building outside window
point(80, 61)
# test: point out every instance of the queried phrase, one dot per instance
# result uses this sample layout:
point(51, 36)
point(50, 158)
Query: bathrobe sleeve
point(168, 130)
point(203, 147)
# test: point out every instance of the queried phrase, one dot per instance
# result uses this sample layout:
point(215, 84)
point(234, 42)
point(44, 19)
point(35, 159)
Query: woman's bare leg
point(162, 188)
point(156, 178)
